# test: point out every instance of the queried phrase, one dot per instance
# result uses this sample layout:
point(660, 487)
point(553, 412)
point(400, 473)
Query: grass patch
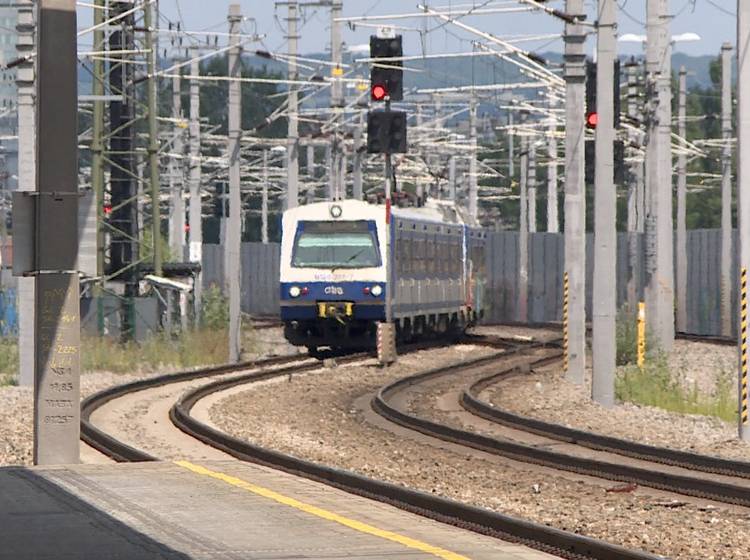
point(655, 385)
point(8, 361)
point(189, 349)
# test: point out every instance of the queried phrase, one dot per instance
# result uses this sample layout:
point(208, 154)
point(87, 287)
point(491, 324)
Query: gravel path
point(327, 427)
point(547, 395)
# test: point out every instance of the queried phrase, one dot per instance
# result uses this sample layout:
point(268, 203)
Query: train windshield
point(336, 245)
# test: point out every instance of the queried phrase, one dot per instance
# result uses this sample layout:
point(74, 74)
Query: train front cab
point(332, 276)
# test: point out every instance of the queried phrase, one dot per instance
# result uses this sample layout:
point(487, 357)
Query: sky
point(713, 20)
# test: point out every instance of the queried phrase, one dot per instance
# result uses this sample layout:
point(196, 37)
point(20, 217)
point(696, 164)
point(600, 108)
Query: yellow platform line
point(324, 514)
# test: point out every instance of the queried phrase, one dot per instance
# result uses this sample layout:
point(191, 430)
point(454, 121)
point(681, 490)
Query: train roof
point(437, 211)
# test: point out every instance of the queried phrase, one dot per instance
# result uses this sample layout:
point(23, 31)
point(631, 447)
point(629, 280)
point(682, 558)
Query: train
point(338, 267)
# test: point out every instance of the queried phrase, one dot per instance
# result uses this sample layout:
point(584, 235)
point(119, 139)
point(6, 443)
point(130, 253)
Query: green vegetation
point(160, 352)
point(657, 385)
point(8, 361)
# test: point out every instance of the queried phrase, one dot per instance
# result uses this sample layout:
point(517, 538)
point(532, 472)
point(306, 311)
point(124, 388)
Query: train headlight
point(376, 290)
point(294, 291)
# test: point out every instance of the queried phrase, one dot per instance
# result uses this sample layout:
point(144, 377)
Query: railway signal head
point(378, 92)
point(386, 76)
point(592, 119)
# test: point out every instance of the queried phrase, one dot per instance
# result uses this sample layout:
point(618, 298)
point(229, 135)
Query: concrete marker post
point(57, 315)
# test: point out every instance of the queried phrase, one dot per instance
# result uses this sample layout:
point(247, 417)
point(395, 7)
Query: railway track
point(660, 468)
point(560, 543)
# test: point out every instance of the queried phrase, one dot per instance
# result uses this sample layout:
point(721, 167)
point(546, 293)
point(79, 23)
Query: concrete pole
point(57, 325)
point(25, 80)
point(575, 191)
point(523, 229)
point(452, 178)
point(531, 184)
point(726, 190)
point(681, 234)
point(635, 191)
point(358, 158)
point(331, 174)
point(604, 305)
point(195, 217)
point(743, 202)
point(311, 160)
point(264, 201)
point(511, 147)
point(473, 182)
point(153, 137)
point(553, 223)
point(177, 177)
point(292, 151)
point(659, 223)
point(97, 160)
point(234, 229)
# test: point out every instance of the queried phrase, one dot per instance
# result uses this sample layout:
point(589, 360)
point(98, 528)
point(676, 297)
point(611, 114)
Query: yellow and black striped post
point(641, 344)
point(565, 322)
point(743, 347)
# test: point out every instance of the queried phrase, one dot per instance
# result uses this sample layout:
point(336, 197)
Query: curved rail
point(672, 482)
point(471, 402)
point(555, 541)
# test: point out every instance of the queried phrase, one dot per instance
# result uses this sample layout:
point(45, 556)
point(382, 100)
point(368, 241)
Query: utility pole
point(234, 230)
point(452, 178)
point(331, 175)
point(123, 178)
point(743, 206)
point(531, 184)
point(177, 176)
point(264, 200)
point(511, 155)
point(25, 79)
point(195, 217)
point(153, 137)
point(553, 224)
point(726, 190)
point(358, 158)
point(57, 316)
point(292, 150)
point(681, 234)
point(635, 189)
point(605, 213)
point(97, 160)
point(337, 101)
point(523, 228)
point(311, 160)
point(473, 182)
point(659, 225)
point(575, 191)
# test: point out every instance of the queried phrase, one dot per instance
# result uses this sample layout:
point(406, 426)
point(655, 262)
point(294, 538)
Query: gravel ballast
point(548, 396)
point(314, 416)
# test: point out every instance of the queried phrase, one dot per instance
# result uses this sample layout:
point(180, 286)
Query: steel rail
point(676, 483)
point(471, 402)
point(555, 541)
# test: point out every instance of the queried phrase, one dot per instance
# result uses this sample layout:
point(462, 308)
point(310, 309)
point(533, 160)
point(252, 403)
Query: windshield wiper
point(350, 259)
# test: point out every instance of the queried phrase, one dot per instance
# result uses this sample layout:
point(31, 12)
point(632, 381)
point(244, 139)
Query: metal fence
point(260, 266)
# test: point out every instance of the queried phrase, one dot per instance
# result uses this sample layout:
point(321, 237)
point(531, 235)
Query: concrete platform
point(225, 510)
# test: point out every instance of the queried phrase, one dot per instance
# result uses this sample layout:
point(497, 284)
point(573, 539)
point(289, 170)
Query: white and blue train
point(334, 278)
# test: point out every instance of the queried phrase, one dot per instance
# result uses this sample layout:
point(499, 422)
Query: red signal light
point(378, 92)
point(107, 209)
point(592, 119)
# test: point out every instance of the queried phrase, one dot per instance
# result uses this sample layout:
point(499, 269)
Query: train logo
point(334, 291)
